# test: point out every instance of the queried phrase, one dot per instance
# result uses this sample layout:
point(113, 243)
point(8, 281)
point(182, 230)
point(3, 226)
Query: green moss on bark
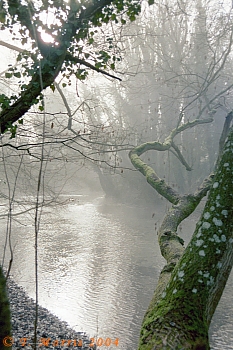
point(180, 317)
point(5, 316)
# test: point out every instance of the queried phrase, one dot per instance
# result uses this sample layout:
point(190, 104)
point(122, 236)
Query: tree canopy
point(72, 29)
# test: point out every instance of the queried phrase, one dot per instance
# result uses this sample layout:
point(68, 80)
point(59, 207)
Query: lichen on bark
point(191, 283)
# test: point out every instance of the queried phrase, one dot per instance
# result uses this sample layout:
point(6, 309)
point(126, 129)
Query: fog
point(68, 165)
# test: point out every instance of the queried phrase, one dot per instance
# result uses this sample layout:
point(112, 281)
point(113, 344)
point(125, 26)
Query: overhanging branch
point(73, 59)
point(52, 63)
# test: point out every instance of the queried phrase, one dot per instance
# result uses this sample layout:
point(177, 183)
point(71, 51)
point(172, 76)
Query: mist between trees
point(133, 95)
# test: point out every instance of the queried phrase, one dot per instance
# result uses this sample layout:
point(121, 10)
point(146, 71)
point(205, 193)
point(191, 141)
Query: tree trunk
point(5, 317)
point(184, 302)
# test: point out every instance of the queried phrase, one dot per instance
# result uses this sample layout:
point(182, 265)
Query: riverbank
point(52, 333)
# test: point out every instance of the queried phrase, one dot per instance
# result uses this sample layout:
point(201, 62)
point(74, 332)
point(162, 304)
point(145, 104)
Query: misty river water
point(98, 266)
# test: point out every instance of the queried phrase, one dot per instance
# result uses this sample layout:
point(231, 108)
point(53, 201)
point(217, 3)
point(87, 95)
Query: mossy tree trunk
point(5, 316)
point(193, 280)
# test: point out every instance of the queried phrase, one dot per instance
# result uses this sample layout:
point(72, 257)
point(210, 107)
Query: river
point(98, 266)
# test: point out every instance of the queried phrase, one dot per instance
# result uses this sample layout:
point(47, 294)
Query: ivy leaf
point(24, 41)
point(81, 74)
point(12, 128)
point(2, 17)
point(8, 75)
point(17, 75)
point(4, 101)
point(132, 17)
point(98, 65)
point(52, 87)
point(12, 9)
point(13, 131)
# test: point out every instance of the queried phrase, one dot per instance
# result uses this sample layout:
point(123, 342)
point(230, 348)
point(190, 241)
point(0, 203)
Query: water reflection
point(98, 266)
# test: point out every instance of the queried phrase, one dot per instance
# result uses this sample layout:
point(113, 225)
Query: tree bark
point(193, 280)
point(5, 316)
